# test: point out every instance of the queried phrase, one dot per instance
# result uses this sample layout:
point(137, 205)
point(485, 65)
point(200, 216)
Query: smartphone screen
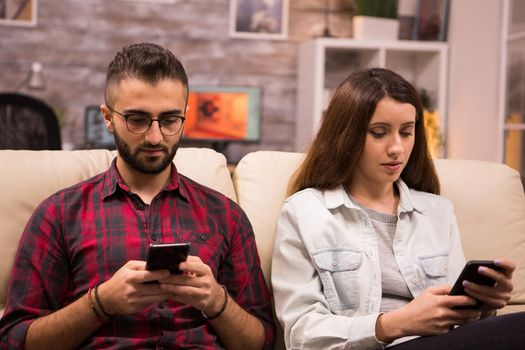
point(167, 256)
point(470, 273)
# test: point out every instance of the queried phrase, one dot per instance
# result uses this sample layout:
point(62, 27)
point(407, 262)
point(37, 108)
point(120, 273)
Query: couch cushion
point(207, 167)
point(28, 177)
point(489, 204)
point(261, 181)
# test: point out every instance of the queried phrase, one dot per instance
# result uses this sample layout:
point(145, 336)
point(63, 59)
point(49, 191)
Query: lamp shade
point(36, 78)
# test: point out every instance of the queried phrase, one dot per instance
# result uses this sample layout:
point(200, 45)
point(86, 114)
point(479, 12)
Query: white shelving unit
point(325, 62)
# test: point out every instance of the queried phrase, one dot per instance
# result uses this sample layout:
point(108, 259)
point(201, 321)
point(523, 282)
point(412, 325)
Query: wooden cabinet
point(325, 62)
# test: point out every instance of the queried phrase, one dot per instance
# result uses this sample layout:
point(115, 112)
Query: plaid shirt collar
point(113, 181)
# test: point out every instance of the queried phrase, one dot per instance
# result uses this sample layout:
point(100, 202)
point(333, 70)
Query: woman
point(365, 249)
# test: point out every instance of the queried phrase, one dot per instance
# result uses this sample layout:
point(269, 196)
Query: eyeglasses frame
point(112, 110)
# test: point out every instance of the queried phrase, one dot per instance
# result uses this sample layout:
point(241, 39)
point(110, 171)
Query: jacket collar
point(407, 203)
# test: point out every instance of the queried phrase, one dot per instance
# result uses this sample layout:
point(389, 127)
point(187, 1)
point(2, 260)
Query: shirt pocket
point(338, 270)
point(209, 247)
point(435, 268)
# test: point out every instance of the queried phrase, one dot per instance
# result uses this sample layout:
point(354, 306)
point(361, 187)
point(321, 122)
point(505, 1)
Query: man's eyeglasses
point(139, 123)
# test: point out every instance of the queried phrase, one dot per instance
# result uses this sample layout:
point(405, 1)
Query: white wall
point(474, 37)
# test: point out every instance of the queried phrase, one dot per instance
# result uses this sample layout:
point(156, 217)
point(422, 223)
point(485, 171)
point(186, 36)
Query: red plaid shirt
point(82, 235)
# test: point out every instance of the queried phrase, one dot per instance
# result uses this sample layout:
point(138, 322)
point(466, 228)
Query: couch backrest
point(488, 199)
point(261, 180)
point(489, 204)
point(28, 177)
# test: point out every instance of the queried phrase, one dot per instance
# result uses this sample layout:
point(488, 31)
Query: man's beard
point(146, 165)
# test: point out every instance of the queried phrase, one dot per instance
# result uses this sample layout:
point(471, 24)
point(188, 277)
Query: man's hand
point(493, 297)
point(126, 293)
point(196, 287)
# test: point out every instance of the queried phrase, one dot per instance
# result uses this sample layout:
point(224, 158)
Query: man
point(79, 276)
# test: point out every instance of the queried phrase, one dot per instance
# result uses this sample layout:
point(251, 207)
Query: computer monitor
point(95, 131)
point(223, 114)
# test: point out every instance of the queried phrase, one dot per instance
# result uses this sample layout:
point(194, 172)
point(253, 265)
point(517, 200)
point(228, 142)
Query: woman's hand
point(431, 313)
point(493, 297)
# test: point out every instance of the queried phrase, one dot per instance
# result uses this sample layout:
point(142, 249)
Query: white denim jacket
point(326, 273)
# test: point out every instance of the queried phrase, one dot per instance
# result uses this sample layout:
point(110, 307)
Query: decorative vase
point(375, 28)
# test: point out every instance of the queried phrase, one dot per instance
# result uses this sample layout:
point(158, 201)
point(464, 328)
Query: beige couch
point(488, 198)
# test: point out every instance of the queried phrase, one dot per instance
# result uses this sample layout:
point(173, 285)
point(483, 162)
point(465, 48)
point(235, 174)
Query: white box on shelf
point(374, 28)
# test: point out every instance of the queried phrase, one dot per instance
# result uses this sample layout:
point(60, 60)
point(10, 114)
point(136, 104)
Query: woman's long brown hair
point(332, 157)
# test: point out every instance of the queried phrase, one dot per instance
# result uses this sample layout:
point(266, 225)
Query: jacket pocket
point(435, 268)
point(338, 270)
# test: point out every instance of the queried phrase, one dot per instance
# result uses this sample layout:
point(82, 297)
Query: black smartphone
point(167, 256)
point(470, 273)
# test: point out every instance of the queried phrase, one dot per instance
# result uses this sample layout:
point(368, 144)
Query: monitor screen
point(96, 133)
point(223, 114)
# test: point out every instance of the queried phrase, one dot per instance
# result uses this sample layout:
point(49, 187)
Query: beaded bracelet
point(97, 298)
point(222, 308)
point(92, 304)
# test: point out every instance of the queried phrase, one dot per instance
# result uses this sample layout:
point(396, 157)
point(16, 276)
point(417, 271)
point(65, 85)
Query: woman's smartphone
point(470, 273)
point(167, 256)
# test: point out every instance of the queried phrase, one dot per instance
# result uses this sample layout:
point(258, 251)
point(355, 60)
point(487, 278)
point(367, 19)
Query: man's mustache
point(151, 146)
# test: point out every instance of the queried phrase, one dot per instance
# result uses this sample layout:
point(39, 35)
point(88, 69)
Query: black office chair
point(27, 123)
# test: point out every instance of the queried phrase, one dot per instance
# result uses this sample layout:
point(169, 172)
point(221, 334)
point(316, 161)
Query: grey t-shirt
point(395, 292)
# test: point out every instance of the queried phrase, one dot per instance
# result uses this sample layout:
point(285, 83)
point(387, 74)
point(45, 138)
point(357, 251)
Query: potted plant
point(375, 20)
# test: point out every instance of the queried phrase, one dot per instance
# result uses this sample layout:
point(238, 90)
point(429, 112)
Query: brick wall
point(76, 39)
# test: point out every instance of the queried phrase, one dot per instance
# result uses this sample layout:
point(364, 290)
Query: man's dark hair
point(148, 62)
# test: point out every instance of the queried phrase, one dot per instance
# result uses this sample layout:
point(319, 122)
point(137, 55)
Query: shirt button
point(334, 263)
point(153, 237)
point(414, 281)
point(203, 237)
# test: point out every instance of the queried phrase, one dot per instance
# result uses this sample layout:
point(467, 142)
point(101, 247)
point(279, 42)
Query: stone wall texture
point(76, 39)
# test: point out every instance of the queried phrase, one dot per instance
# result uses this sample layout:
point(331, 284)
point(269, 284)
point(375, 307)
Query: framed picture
point(223, 114)
point(18, 12)
point(259, 19)
point(431, 20)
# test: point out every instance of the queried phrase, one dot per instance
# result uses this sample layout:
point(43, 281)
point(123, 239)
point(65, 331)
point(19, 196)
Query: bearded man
point(80, 279)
